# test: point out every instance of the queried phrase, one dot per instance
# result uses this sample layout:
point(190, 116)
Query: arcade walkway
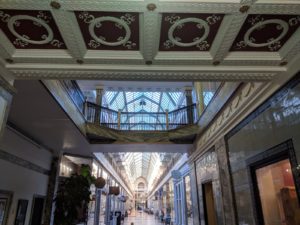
point(141, 218)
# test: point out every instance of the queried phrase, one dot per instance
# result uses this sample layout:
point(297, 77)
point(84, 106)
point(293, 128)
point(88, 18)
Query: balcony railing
point(74, 93)
point(144, 121)
point(139, 121)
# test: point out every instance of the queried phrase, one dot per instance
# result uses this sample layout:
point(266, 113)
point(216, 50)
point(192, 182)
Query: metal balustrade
point(140, 121)
point(134, 121)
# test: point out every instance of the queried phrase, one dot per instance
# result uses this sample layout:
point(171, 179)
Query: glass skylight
point(143, 101)
point(143, 164)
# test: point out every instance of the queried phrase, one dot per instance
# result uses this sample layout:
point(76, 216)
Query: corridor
point(140, 112)
point(141, 218)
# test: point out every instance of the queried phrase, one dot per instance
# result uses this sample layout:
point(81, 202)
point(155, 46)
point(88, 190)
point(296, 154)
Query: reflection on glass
point(209, 90)
point(278, 195)
point(188, 197)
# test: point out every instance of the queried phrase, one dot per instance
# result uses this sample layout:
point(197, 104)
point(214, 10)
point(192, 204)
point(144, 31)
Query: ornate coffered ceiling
point(149, 40)
point(189, 31)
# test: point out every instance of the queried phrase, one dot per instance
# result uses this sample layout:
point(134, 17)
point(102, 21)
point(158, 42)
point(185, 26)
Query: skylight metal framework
point(134, 103)
point(144, 164)
point(144, 101)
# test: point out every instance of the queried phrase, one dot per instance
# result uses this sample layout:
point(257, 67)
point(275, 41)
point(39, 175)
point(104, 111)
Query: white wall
point(23, 182)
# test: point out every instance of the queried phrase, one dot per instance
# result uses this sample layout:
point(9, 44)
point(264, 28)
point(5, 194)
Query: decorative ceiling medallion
point(31, 29)
point(109, 30)
point(265, 32)
point(188, 32)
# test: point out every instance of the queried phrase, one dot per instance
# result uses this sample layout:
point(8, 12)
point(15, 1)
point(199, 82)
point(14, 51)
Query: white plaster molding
point(291, 47)
point(290, 9)
point(198, 7)
point(25, 4)
point(142, 75)
point(70, 31)
point(113, 6)
point(7, 75)
point(151, 36)
point(237, 21)
point(183, 55)
point(6, 47)
point(253, 58)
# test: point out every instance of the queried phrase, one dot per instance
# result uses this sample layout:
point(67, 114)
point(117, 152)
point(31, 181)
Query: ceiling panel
point(266, 33)
point(31, 29)
point(188, 31)
point(109, 30)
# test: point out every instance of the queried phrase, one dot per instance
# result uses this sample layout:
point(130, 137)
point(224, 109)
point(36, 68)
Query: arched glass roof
point(144, 164)
point(143, 101)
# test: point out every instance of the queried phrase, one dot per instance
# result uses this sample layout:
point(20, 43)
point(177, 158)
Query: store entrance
point(276, 193)
point(209, 204)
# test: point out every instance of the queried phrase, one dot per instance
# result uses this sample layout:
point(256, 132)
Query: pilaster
point(52, 183)
point(194, 194)
point(225, 183)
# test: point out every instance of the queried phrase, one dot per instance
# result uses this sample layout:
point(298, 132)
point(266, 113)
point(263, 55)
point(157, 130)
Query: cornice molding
point(142, 75)
point(5, 84)
point(236, 105)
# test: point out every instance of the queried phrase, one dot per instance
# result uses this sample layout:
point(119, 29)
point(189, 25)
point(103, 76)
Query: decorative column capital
point(188, 90)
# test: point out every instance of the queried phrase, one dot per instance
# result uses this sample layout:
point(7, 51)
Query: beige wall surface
point(277, 124)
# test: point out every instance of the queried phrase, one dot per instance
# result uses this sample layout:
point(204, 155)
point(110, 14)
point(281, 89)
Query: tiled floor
point(141, 219)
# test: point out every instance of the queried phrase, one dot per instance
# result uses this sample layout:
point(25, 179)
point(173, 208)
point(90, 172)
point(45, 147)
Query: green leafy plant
point(73, 197)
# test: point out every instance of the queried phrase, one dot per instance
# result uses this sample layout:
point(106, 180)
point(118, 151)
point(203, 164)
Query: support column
point(51, 190)
point(230, 216)
point(168, 198)
point(99, 95)
point(199, 94)
point(189, 102)
point(97, 206)
point(6, 94)
point(194, 194)
point(108, 205)
point(176, 175)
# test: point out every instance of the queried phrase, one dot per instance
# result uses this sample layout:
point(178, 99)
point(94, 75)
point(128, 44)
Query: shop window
point(275, 190)
point(277, 194)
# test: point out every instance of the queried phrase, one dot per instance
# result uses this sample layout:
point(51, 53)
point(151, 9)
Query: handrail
point(118, 120)
point(140, 120)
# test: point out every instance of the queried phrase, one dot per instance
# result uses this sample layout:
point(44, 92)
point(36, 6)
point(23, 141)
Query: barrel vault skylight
point(143, 101)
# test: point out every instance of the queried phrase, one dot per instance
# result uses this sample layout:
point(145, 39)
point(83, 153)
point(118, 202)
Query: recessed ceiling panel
point(109, 30)
point(265, 32)
point(31, 29)
point(188, 32)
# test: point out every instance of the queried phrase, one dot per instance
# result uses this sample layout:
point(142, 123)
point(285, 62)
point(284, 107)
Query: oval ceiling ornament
point(16, 18)
point(282, 25)
point(112, 19)
point(203, 24)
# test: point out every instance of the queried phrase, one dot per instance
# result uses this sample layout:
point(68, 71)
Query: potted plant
point(73, 197)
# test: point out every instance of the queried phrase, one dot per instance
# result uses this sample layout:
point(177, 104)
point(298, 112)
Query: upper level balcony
point(140, 121)
point(132, 116)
